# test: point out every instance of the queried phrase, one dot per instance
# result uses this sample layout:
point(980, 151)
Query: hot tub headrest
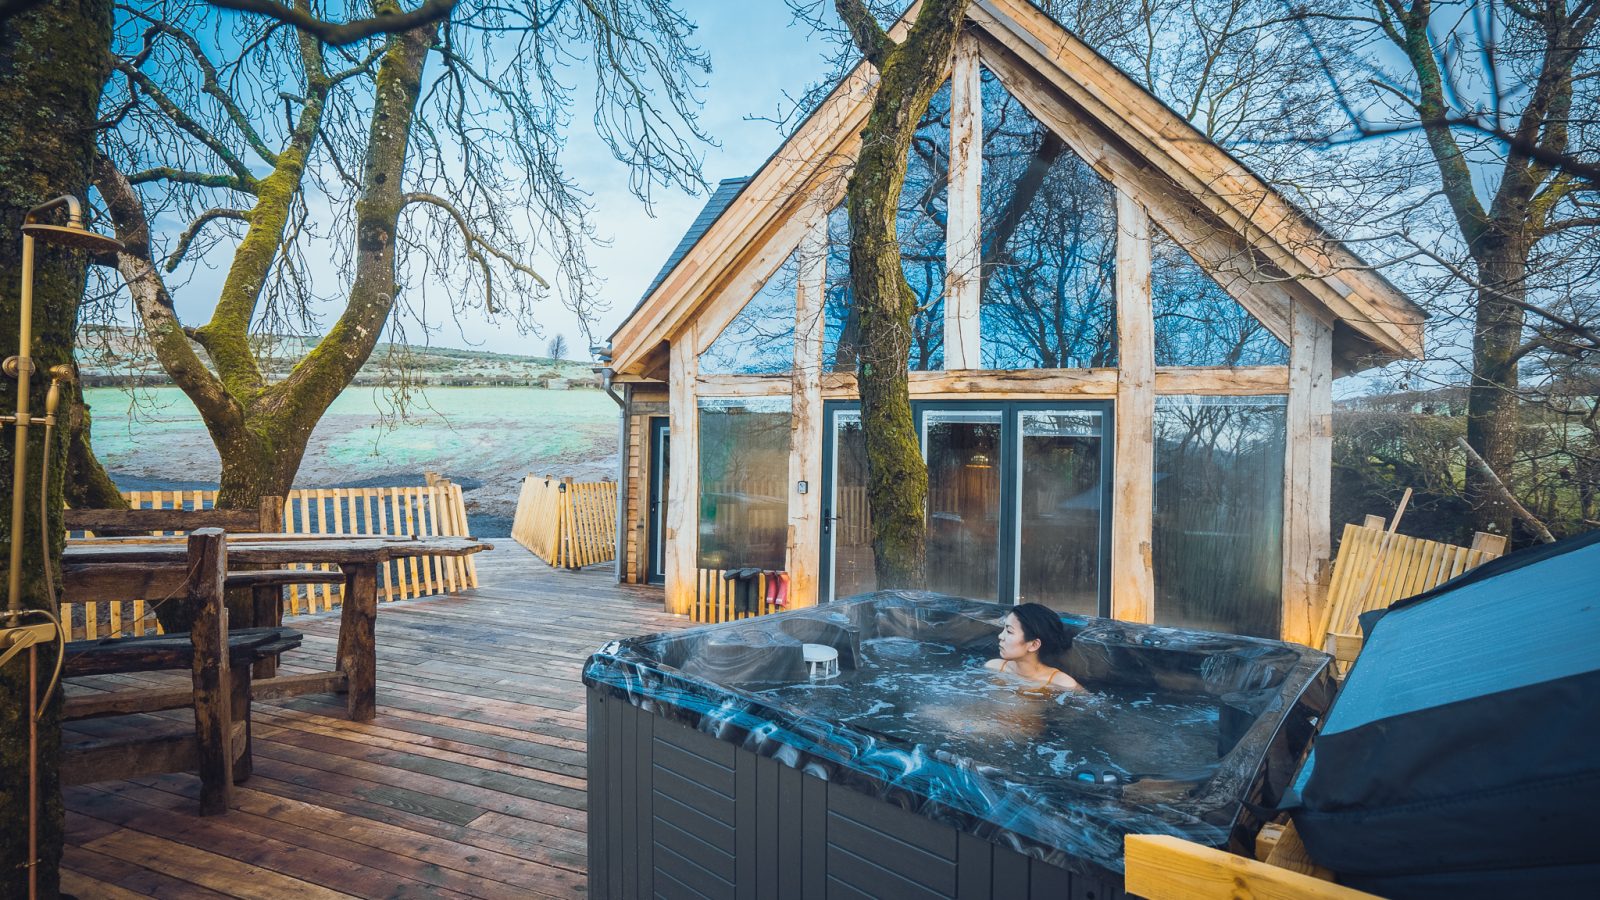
point(743, 656)
point(1147, 656)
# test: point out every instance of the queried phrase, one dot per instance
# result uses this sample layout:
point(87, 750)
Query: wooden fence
point(1377, 567)
point(430, 510)
point(716, 600)
point(567, 523)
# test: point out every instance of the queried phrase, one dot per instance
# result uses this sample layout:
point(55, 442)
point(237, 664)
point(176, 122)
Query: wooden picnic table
point(155, 567)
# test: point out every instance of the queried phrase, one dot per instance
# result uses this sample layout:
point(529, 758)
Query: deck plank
point(470, 782)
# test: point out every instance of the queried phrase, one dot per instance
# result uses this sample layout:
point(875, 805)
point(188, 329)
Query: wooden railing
point(567, 523)
point(1377, 567)
point(716, 597)
point(433, 509)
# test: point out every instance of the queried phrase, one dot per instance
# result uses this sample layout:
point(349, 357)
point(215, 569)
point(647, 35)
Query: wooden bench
point(217, 745)
point(265, 586)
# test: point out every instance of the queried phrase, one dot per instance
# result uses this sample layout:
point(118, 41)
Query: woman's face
point(1012, 643)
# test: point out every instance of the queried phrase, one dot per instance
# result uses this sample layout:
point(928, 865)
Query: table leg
point(357, 641)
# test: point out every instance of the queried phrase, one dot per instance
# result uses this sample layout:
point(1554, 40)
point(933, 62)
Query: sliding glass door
point(1018, 500)
point(964, 450)
point(1062, 548)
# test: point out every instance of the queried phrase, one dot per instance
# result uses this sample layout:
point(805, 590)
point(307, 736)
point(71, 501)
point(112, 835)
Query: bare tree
point(1500, 99)
point(260, 150)
point(557, 348)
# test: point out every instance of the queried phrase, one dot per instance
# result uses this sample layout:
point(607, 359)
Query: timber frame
point(1331, 310)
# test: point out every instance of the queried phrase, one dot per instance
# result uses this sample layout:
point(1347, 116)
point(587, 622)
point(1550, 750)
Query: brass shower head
point(73, 234)
point(76, 237)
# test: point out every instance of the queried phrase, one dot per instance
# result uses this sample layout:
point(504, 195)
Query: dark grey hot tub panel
point(676, 813)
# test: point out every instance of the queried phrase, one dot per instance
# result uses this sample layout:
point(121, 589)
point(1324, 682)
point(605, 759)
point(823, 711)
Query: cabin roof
point(727, 189)
point(1374, 321)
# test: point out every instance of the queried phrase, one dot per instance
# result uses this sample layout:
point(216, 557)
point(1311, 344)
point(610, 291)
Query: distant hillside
point(116, 356)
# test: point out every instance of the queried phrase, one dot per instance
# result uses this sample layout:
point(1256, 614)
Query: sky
point(756, 55)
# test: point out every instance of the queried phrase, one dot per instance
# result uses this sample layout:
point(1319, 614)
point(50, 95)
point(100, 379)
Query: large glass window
point(1049, 246)
point(760, 339)
point(920, 227)
point(744, 482)
point(1197, 323)
point(1218, 531)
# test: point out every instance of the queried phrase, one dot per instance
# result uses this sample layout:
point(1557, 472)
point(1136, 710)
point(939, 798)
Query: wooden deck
point(469, 783)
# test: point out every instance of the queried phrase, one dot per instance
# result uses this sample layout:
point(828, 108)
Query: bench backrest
point(267, 517)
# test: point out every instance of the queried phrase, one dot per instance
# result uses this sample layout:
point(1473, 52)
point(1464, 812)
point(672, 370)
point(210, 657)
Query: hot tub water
point(930, 693)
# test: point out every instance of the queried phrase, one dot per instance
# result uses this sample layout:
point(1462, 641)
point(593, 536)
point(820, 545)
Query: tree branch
point(155, 306)
point(180, 176)
point(472, 237)
point(869, 37)
point(185, 122)
point(341, 33)
point(200, 221)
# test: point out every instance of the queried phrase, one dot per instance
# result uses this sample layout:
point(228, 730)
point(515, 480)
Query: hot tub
point(719, 767)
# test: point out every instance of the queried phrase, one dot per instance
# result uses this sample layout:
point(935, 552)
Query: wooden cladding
point(567, 523)
point(432, 510)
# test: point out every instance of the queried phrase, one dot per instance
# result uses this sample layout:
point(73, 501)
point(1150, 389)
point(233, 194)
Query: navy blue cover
point(1462, 758)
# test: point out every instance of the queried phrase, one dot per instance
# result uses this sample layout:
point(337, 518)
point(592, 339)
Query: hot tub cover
point(1462, 758)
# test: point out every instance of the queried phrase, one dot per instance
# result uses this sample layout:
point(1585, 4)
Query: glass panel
point(851, 532)
point(1049, 246)
point(1197, 322)
point(1058, 503)
point(1218, 531)
point(963, 453)
point(658, 542)
point(760, 339)
point(921, 229)
point(744, 482)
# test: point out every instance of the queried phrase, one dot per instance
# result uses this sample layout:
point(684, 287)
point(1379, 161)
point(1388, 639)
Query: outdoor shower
point(16, 634)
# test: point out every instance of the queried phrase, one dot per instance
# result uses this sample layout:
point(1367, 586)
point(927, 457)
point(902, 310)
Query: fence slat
point(433, 511)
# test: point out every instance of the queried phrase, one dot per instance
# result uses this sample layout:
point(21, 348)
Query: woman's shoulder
point(995, 665)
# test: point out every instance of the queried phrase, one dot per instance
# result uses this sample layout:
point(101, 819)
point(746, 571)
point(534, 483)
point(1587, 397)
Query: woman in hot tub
point(1032, 644)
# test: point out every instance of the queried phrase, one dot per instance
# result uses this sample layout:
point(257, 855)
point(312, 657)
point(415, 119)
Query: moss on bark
point(53, 62)
point(909, 73)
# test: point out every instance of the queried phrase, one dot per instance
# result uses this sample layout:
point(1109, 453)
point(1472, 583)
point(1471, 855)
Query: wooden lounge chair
point(217, 744)
point(1378, 566)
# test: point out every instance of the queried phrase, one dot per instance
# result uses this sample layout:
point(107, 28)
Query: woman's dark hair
point(1041, 623)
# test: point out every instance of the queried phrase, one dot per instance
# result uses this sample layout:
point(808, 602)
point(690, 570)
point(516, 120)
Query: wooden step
point(172, 748)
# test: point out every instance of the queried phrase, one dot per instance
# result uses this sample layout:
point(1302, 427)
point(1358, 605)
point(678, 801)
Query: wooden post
point(805, 423)
point(963, 249)
point(684, 492)
point(358, 642)
point(267, 600)
point(1307, 474)
point(1133, 467)
point(213, 706)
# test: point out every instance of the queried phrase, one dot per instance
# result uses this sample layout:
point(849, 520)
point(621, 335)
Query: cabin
point(1122, 361)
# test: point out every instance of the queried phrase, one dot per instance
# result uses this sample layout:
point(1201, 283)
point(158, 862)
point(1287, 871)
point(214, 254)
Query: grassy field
point(486, 438)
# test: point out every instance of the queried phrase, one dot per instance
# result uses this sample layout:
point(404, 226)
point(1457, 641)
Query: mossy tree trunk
point(261, 430)
point(909, 74)
point(53, 62)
